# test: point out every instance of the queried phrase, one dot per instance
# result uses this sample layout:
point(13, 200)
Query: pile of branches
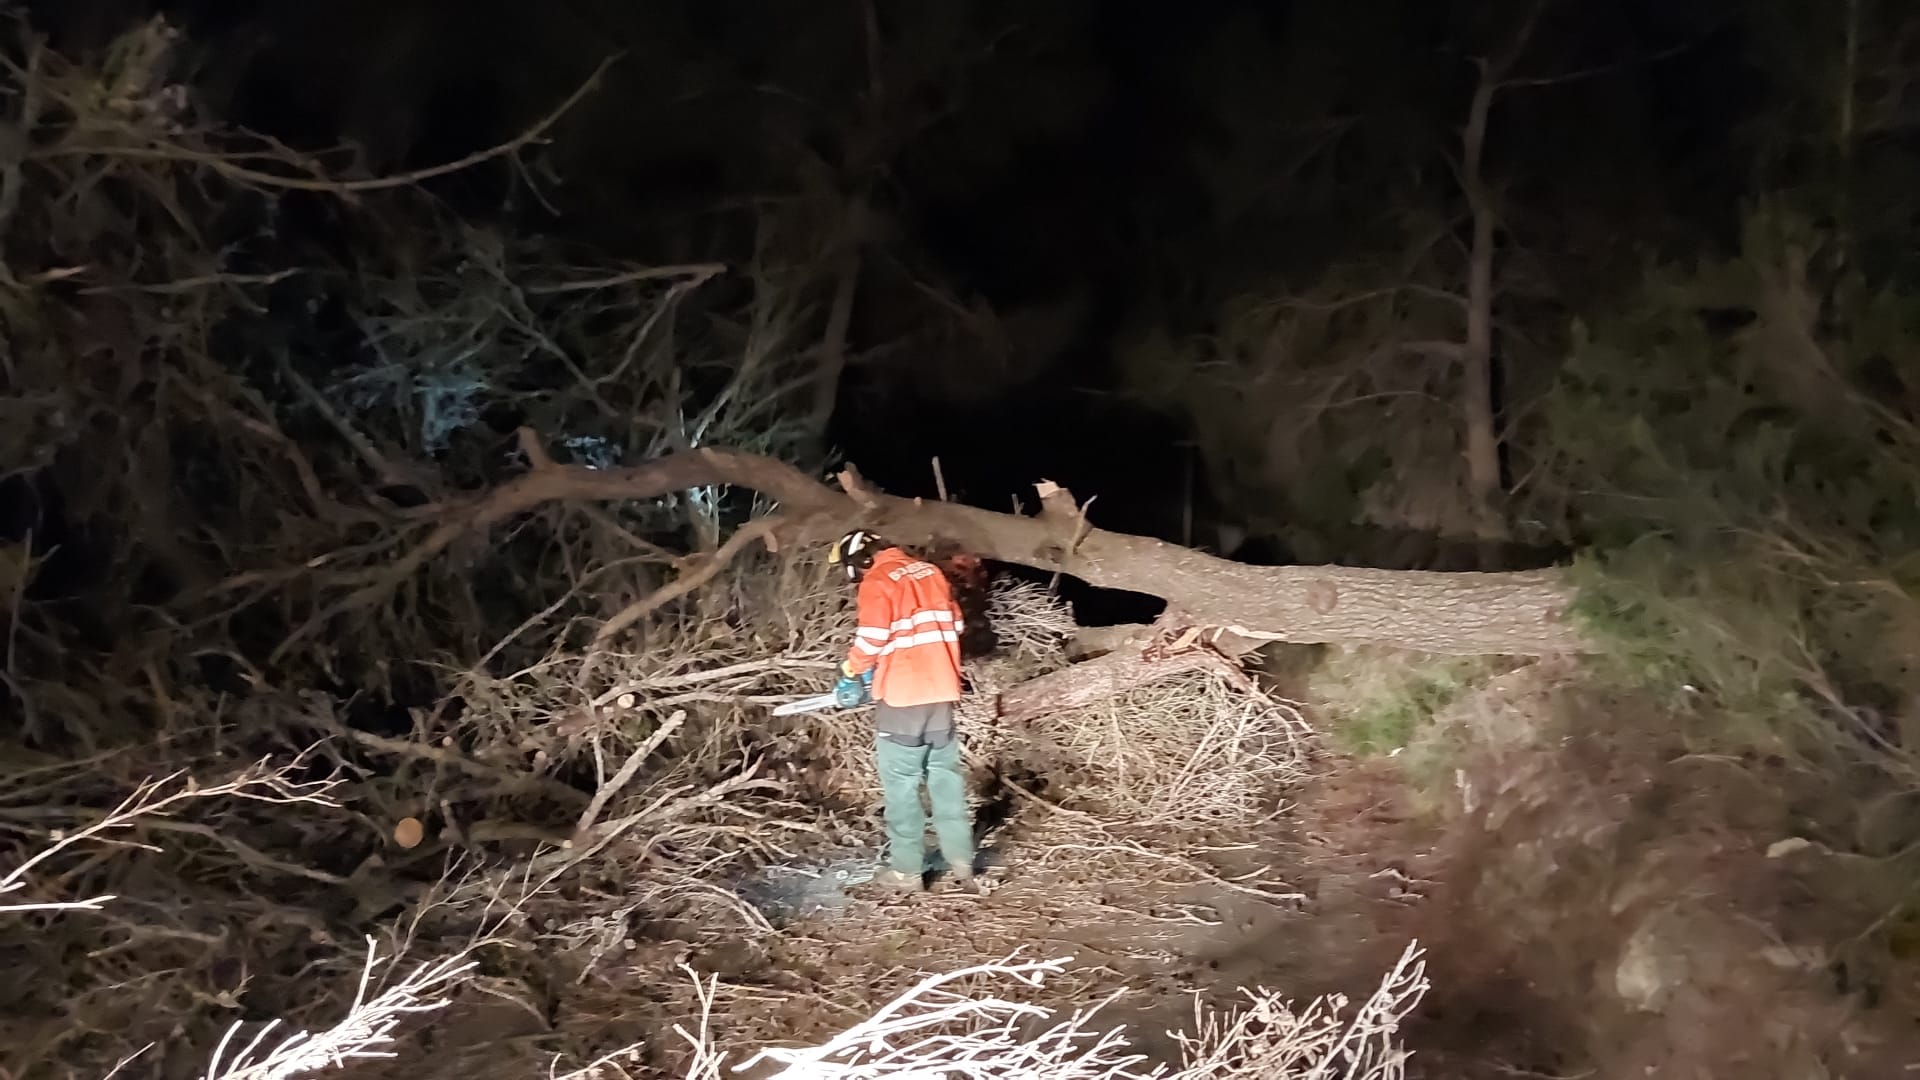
point(249, 399)
point(606, 820)
point(247, 404)
point(959, 1024)
point(252, 405)
point(1201, 748)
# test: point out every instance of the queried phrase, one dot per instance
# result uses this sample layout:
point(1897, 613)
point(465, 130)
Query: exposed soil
point(1594, 902)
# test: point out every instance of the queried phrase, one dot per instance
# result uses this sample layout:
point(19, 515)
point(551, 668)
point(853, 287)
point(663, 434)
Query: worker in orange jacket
point(909, 639)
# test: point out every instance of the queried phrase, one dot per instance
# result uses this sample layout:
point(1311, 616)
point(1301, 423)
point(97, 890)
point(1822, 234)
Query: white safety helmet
point(854, 552)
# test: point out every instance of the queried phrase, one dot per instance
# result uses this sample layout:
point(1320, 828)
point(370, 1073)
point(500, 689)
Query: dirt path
point(1159, 928)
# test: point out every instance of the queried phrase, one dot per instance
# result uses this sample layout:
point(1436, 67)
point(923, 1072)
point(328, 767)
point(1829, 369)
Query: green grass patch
point(1375, 702)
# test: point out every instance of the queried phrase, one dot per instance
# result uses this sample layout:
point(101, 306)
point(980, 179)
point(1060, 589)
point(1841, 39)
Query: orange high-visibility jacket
point(909, 631)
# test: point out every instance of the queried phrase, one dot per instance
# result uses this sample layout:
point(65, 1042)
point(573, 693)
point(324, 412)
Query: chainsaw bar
point(812, 704)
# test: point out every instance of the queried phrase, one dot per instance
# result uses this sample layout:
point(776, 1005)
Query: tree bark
point(1481, 422)
point(833, 340)
point(1089, 682)
point(1464, 614)
point(1482, 438)
point(1455, 613)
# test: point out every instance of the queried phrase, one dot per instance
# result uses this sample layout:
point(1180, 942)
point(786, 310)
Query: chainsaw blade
point(818, 701)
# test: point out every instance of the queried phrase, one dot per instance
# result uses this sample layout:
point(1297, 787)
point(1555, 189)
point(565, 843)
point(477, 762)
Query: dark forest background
point(1385, 283)
point(1083, 232)
point(1629, 290)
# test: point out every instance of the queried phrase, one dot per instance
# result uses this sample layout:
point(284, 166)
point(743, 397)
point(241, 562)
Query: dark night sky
point(1073, 165)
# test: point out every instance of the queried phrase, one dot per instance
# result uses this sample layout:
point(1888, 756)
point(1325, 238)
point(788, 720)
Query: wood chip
point(409, 832)
point(1780, 849)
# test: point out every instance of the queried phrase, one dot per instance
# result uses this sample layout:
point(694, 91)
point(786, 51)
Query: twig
point(699, 272)
point(1042, 801)
point(1132, 847)
point(254, 784)
point(125, 1061)
point(543, 614)
point(189, 284)
point(362, 445)
point(364, 1032)
point(915, 1035)
point(709, 568)
point(706, 675)
point(627, 770)
point(248, 854)
point(224, 164)
point(303, 469)
point(454, 759)
point(662, 809)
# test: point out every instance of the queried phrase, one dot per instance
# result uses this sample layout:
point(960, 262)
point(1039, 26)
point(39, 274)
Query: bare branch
point(1600, 69)
point(383, 468)
point(620, 779)
point(258, 783)
point(691, 275)
point(225, 164)
point(708, 568)
point(938, 1028)
point(368, 1028)
point(1445, 350)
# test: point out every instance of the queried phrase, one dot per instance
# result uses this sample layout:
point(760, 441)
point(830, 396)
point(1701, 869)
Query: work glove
point(853, 691)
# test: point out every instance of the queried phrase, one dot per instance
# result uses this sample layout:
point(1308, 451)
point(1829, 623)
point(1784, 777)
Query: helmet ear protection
point(853, 553)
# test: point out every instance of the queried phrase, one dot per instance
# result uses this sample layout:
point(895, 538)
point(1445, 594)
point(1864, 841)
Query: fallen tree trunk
point(1456, 613)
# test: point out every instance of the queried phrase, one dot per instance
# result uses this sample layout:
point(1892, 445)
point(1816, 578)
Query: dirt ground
point(1159, 928)
point(1593, 903)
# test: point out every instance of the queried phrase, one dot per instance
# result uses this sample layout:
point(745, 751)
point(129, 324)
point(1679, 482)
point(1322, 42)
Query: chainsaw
point(847, 694)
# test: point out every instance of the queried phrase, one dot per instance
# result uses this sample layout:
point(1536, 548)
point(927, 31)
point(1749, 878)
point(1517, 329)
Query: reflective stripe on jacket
point(909, 631)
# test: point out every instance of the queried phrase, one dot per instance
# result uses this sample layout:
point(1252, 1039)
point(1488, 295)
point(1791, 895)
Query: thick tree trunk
point(1466, 614)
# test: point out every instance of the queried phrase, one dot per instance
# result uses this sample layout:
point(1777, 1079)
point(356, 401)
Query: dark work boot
point(963, 879)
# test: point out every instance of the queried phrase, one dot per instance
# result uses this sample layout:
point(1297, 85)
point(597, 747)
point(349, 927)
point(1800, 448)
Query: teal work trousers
point(903, 769)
